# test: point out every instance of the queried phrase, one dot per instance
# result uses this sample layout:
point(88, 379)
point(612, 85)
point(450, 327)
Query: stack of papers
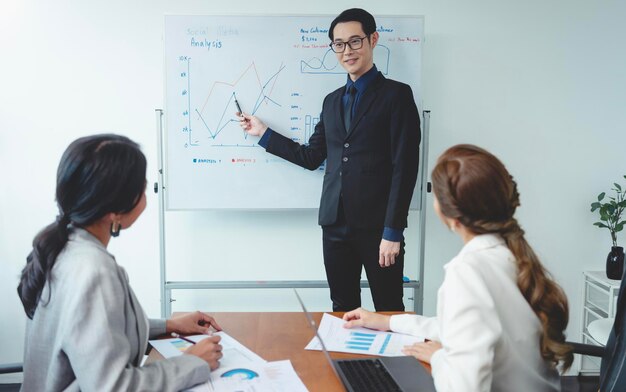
point(240, 369)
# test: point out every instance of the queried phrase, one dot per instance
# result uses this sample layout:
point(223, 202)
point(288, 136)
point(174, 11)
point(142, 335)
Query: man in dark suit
point(369, 135)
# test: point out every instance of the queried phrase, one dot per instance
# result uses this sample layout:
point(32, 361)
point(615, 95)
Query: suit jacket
point(92, 333)
point(373, 165)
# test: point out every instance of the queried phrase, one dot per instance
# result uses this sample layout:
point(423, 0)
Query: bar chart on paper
point(360, 340)
point(278, 68)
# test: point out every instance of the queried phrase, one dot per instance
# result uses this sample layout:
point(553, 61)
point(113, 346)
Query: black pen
point(175, 335)
point(237, 104)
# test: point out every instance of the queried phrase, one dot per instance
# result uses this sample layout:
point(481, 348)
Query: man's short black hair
point(354, 15)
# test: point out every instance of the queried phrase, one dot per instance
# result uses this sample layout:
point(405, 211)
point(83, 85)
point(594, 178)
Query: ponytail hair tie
point(63, 220)
point(511, 228)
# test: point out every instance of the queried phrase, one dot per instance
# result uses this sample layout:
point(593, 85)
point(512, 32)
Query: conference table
point(283, 335)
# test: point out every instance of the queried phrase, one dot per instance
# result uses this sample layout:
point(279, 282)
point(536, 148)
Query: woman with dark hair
point(86, 329)
point(500, 316)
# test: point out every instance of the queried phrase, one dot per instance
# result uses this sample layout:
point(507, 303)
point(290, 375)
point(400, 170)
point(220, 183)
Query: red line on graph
point(256, 72)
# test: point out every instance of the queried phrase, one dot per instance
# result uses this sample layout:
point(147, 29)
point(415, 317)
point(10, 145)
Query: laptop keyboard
point(368, 375)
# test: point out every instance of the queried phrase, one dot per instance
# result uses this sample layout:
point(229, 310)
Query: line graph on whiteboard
point(210, 107)
point(328, 63)
point(280, 69)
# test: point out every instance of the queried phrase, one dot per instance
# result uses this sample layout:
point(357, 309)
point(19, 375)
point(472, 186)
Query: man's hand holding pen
point(252, 125)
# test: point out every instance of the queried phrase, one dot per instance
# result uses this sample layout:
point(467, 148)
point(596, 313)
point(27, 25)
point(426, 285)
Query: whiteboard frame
point(166, 286)
point(160, 187)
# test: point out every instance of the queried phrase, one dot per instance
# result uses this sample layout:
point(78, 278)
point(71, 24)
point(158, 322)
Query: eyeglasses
point(353, 43)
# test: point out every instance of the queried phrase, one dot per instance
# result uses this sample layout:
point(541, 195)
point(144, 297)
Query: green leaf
point(619, 227)
point(600, 224)
point(619, 188)
point(601, 196)
point(596, 205)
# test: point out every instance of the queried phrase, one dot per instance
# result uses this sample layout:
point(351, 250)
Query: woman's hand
point(192, 323)
point(363, 318)
point(208, 349)
point(422, 351)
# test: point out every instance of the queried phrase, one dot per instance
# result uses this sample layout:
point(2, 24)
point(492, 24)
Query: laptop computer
point(384, 374)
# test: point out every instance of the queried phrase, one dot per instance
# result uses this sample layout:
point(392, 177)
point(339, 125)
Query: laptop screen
point(312, 325)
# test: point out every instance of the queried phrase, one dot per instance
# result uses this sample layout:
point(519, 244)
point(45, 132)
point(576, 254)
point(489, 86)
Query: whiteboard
point(279, 68)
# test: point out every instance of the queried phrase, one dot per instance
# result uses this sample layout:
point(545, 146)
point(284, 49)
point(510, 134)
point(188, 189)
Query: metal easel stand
point(168, 286)
point(424, 189)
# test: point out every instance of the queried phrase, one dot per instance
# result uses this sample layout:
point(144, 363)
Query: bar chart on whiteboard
point(278, 68)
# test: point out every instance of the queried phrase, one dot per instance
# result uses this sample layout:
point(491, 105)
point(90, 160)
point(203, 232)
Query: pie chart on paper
point(240, 374)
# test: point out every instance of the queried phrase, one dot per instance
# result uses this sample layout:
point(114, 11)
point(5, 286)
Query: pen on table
point(175, 335)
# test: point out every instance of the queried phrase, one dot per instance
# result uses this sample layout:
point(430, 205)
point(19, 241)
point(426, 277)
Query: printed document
point(359, 340)
point(234, 352)
point(278, 376)
point(240, 370)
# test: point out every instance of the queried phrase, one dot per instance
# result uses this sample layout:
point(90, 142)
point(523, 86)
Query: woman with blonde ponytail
point(500, 317)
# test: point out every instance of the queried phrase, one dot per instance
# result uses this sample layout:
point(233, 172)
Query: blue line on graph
point(262, 97)
point(383, 66)
point(307, 67)
point(321, 66)
point(385, 343)
point(222, 123)
point(220, 128)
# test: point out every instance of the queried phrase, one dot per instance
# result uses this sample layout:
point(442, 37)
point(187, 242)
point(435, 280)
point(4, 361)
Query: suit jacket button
point(346, 145)
point(345, 159)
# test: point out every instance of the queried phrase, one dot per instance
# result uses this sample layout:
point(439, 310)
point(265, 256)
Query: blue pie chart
point(242, 374)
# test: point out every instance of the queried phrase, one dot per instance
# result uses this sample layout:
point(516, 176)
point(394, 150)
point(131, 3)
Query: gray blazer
point(92, 333)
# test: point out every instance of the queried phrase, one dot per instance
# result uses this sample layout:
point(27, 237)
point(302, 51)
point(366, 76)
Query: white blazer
point(92, 333)
point(490, 334)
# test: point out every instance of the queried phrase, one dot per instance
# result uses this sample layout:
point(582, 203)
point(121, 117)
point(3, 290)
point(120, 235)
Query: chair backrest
point(10, 383)
point(10, 368)
point(613, 367)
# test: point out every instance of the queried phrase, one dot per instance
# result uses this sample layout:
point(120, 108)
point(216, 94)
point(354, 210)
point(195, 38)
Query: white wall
point(540, 84)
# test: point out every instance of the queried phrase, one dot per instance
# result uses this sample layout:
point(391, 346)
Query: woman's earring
point(115, 232)
point(453, 225)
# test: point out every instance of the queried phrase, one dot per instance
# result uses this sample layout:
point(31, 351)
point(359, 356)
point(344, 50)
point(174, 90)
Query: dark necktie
point(347, 113)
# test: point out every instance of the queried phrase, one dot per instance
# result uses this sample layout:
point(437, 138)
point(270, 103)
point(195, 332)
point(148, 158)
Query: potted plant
point(610, 218)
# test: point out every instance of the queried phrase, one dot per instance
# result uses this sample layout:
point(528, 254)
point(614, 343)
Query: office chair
point(9, 368)
point(613, 354)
